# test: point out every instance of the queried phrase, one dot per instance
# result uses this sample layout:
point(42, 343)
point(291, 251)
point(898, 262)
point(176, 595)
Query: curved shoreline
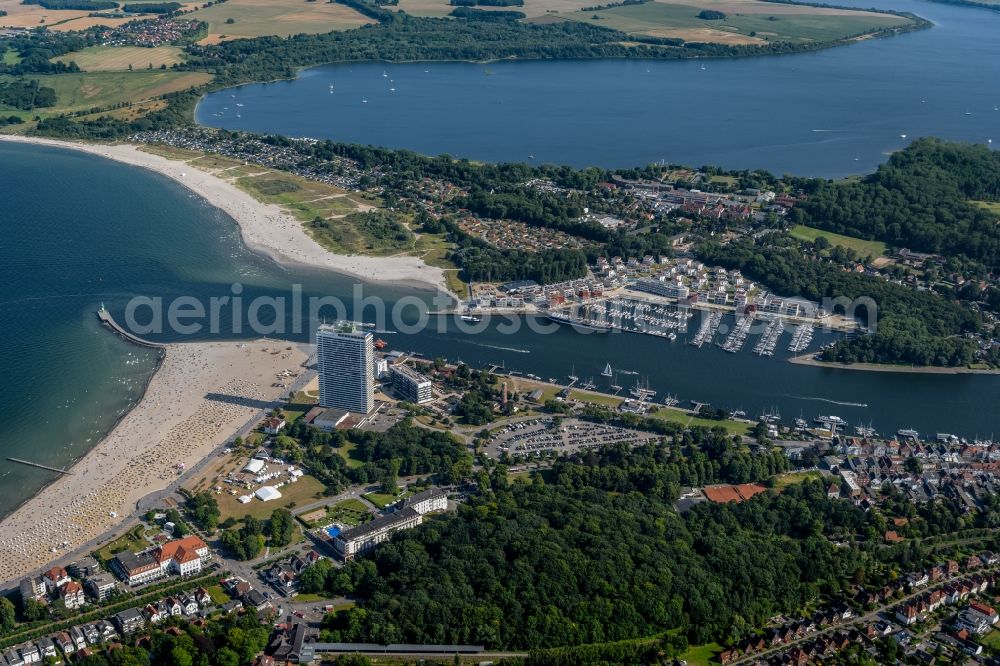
point(808, 359)
point(198, 396)
point(265, 228)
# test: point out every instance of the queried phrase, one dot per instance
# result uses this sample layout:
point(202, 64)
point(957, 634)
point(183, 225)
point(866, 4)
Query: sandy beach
point(265, 228)
point(807, 359)
point(200, 396)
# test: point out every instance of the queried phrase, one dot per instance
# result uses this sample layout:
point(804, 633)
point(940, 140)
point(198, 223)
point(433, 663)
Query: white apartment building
point(346, 366)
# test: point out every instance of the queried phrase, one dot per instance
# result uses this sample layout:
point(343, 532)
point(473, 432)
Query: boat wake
point(510, 349)
point(832, 402)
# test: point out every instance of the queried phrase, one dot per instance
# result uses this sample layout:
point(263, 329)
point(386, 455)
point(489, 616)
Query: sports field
point(86, 90)
point(864, 248)
point(746, 21)
point(118, 58)
point(256, 18)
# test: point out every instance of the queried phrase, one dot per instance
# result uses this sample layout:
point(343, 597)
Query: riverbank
point(200, 395)
point(265, 228)
point(809, 359)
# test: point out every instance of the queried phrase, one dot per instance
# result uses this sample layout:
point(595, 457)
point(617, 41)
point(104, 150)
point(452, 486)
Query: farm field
point(118, 58)
point(256, 18)
point(31, 16)
point(864, 248)
point(746, 21)
point(86, 90)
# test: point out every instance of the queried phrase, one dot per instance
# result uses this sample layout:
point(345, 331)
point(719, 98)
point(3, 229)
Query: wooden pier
point(40, 466)
point(110, 322)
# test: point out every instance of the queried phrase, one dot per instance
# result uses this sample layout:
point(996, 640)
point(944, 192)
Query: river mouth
point(831, 113)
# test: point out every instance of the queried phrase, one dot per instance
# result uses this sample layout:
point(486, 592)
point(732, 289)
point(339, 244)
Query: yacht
point(474, 319)
point(607, 371)
point(835, 420)
point(572, 375)
point(908, 433)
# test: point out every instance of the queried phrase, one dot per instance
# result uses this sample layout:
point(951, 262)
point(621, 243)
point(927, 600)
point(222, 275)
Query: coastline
point(265, 228)
point(198, 396)
point(807, 359)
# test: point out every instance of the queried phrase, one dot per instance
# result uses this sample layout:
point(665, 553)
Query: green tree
point(280, 528)
point(8, 616)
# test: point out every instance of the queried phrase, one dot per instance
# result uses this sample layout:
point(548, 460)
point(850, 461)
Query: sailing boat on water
point(607, 371)
point(572, 375)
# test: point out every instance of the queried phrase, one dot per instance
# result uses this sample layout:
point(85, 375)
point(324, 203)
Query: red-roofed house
point(183, 556)
point(55, 578)
point(72, 594)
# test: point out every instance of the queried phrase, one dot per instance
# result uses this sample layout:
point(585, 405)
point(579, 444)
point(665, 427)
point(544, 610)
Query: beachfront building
point(72, 595)
point(33, 588)
point(427, 501)
point(183, 557)
point(136, 569)
point(55, 578)
point(410, 385)
point(101, 586)
point(345, 356)
point(358, 540)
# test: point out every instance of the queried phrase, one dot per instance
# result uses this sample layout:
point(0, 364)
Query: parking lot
point(542, 435)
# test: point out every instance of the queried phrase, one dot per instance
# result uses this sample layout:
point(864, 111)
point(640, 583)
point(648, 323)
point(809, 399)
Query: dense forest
point(401, 450)
point(912, 326)
point(26, 95)
point(596, 553)
point(919, 199)
point(399, 37)
point(83, 5)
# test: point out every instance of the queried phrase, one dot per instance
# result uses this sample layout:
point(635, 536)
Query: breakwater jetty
point(110, 322)
point(40, 466)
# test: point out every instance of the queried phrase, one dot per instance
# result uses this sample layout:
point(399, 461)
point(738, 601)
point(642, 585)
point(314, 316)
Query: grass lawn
point(596, 398)
point(344, 231)
point(782, 481)
point(299, 405)
point(381, 500)
point(993, 206)
point(863, 248)
point(86, 90)
point(349, 516)
point(218, 595)
point(685, 419)
point(132, 541)
point(118, 58)
point(11, 57)
point(991, 640)
point(746, 22)
point(256, 18)
point(702, 655)
point(309, 598)
point(302, 491)
point(347, 451)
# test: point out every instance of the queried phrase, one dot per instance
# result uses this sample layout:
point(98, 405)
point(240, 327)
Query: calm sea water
point(78, 230)
point(831, 113)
